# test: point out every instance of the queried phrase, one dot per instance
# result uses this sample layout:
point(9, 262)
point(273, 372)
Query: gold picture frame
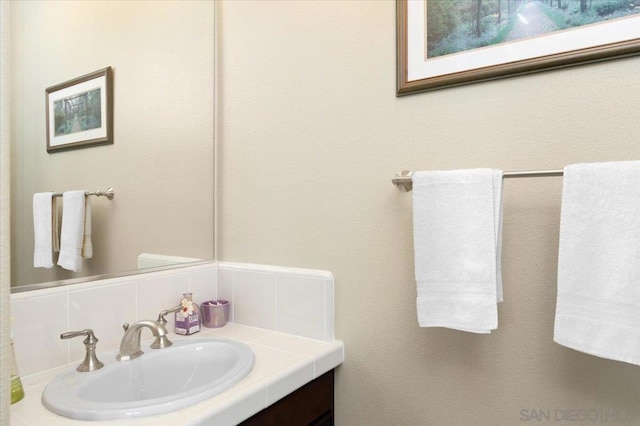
point(80, 112)
point(417, 72)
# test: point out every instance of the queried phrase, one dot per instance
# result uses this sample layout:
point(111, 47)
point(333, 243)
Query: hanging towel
point(457, 224)
point(45, 229)
point(55, 227)
point(87, 245)
point(74, 220)
point(598, 306)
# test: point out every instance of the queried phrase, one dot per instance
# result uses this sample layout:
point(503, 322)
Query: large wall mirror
point(161, 163)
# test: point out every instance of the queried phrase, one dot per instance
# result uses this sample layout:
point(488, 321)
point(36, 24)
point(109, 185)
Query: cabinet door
point(311, 405)
point(324, 420)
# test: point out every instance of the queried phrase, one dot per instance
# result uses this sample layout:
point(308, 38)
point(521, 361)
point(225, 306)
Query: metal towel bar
point(109, 193)
point(404, 179)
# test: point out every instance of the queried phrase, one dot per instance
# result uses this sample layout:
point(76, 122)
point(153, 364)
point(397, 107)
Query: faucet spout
point(130, 344)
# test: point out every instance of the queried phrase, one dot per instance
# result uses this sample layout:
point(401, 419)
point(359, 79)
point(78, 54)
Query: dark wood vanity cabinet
point(311, 405)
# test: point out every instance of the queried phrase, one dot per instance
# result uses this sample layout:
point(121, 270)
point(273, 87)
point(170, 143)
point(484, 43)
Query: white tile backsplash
point(38, 322)
point(104, 310)
point(157, 293)
point(254, 298)
point(302, 299)
point(291, 300)
point(103, 305)
point(301, 306)
point(202, 283)
point(225, 289)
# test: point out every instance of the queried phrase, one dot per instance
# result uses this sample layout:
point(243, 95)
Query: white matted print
point(444, 43)
point(80, 112)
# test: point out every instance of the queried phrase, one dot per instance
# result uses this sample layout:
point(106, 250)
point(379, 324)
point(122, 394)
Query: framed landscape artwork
point(444, 43)
point(80, 112)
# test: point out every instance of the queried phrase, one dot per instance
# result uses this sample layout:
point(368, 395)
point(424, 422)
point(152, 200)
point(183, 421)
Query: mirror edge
point(5, 280)
point(80, 280)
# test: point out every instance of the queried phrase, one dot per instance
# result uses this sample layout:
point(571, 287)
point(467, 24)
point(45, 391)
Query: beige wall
point(161, 53)
point(311, 133)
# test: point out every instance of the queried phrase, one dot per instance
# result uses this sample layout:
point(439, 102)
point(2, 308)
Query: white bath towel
point(45, 229)
point(87, 245)
point(74, 232)
point(457, 224)
point(598, 307)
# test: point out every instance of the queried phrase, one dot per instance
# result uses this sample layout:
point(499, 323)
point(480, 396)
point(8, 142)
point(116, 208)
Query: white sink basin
point(160, 381)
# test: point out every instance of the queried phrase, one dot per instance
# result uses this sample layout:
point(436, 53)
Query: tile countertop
point(283, 363)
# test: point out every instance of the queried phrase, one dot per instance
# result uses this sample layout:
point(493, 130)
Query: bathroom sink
point(160, 381)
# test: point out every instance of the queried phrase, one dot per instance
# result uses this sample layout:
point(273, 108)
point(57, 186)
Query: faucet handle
point(86, 332)
point(91, 361)
point(161, 316)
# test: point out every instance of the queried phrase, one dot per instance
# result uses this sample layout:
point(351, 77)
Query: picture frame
point(79, 112)
point(418, 72)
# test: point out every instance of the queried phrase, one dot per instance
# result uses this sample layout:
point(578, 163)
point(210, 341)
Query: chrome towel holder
point(404, 179)
point(109, 193)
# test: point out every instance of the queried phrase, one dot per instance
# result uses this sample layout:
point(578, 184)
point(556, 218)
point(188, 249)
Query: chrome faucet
point(130, 344)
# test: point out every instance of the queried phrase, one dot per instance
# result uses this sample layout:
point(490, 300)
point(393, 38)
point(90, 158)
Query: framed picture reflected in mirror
point(80, 112)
